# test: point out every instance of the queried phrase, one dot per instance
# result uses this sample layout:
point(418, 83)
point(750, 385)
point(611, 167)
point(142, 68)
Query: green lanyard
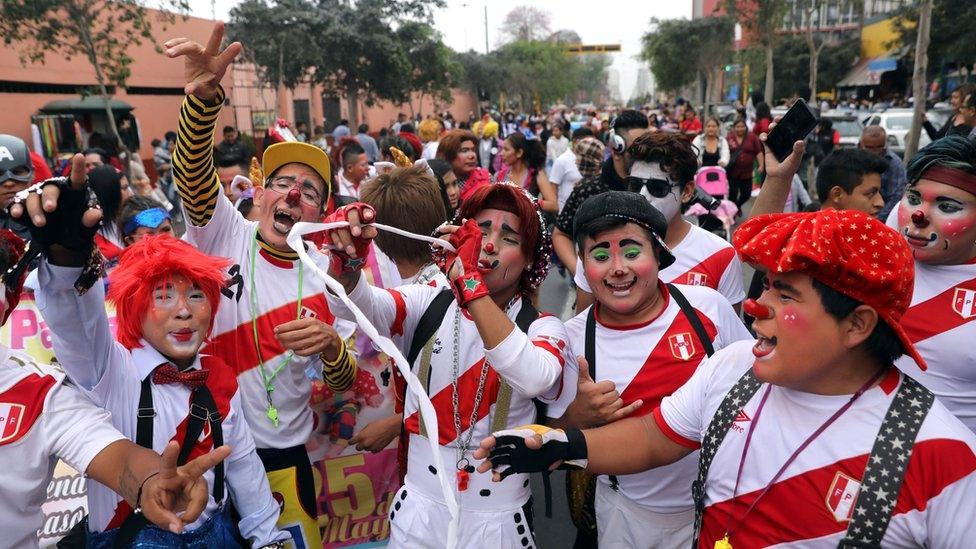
point(268, 379)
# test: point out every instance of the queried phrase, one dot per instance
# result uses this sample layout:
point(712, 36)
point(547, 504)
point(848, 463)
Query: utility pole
point(918, 78)
point(486, 29)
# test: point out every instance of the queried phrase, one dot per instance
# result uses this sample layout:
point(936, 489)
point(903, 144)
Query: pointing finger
point(78, 173)
point(216, 37)
point(229, 53)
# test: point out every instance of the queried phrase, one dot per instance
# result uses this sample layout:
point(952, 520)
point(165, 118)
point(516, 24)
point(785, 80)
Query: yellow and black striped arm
point(340, 373)
point(193, 163)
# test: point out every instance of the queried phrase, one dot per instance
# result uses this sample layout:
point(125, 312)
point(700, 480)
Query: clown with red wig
point(481, 350)
point(153, 380)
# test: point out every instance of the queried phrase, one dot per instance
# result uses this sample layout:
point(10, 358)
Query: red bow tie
point(167, 373)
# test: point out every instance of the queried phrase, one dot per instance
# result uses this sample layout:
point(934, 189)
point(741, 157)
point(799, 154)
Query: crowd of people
point(845, 358)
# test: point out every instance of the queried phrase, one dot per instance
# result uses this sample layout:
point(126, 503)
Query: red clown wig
point(146, 265)
point(12, 248)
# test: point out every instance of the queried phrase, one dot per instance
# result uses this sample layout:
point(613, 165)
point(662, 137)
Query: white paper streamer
point(428, 415)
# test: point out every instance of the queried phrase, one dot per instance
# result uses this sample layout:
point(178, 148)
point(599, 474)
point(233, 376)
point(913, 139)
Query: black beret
point(630, 207)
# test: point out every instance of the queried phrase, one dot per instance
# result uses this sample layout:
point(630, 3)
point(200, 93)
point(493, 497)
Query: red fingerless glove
point(342, 262)
point(469, 283)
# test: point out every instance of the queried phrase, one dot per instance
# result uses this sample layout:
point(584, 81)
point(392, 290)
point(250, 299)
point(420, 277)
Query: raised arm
point(193, 166)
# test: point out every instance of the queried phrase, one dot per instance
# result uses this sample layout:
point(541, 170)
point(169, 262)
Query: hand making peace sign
point(204, 67)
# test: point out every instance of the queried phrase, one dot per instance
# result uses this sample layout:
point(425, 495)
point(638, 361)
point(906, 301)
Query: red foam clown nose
point(293, 197)
point(489, 247)
point(918, 218)
point(756, 309)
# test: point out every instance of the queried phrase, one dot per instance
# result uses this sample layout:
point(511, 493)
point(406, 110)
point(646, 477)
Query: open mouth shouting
point(284, 220)
point(919, 241)
point(764, 345)
point(620, 289)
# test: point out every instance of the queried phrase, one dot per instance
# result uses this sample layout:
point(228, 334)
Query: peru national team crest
point(11, 416)
point(697, 279)
point(964, 303)
point(842, 496)
point(682, 346)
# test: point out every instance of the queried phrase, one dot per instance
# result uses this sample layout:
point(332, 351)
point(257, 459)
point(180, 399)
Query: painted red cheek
point(793, 319)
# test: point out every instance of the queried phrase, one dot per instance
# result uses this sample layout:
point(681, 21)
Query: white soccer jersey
point(811, 504)
point(276, 283)
point(940, 324)
point(111, 376)
point(648, 362)
point(564, 175)
point(700, 259)
point(531, 363)
point(41, 420)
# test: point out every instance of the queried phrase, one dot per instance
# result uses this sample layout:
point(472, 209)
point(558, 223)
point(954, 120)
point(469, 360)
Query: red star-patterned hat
point(849, 251)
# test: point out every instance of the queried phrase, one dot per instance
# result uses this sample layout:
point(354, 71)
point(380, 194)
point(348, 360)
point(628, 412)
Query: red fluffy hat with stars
point(849, 251)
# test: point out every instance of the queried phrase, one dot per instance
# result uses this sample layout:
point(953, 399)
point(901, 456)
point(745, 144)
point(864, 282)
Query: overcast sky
point(462, 23)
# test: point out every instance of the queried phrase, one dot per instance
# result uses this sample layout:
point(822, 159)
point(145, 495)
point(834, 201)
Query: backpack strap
point(718, 427)
point(526, 316)
point(692, 315)
point(885, 470)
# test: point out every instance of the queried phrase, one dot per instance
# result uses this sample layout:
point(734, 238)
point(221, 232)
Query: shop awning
point(85, 104)
point(868, 72)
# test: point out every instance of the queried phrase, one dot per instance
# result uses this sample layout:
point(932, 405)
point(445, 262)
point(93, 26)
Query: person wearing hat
point(275, 324)
point(16, 173)
point(937, 217)
point(662, 169)
point(809, 435)
point(644, 345)
point(483, 352)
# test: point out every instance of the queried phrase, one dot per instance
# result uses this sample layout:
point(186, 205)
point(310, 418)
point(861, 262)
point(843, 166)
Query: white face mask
point(669, 205)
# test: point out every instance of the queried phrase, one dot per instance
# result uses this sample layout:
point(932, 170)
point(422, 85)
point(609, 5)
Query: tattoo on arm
point(129, 485)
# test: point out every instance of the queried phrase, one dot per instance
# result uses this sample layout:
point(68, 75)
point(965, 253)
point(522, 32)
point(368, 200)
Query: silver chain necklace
point(464, 442)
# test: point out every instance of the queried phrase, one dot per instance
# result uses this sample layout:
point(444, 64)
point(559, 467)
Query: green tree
point(433, 68)
point(538, 73)
point(681, 52)
point(593, 77)
point(100, 31)
point(275, 36)
point(760, 19)
point(482, 75)
point(793, 67)
point(951, 41)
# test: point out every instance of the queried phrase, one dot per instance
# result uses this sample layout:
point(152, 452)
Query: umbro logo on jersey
point(842, 496)
point(697, 279)
point(964, 302)
point(742, 416)
point(10, 420)
point(682, 346)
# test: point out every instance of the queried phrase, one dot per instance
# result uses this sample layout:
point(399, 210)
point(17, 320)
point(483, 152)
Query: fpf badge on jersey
point(964, 303)
point(682, 346)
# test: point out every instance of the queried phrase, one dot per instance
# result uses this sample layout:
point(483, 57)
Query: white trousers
point(623, 524)
point(417, 521)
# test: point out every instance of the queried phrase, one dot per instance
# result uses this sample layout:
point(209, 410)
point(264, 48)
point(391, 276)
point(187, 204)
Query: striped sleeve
point(193, 163)
point(341, 373)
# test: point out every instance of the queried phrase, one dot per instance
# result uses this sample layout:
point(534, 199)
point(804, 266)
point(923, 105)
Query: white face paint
point(669, 205)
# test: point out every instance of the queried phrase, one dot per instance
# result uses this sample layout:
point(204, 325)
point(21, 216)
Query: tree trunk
point(126, 155)
point(918, 77)
point(768, 90)
point(352, 101)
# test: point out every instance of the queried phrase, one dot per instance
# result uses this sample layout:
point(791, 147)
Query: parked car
point(897, 123)
point(847, 125)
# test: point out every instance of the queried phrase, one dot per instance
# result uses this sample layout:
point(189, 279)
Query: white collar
point(147, 359)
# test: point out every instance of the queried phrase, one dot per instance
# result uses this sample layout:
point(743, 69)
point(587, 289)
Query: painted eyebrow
point(948, 199)
point(507, 228)
point(784, 287)
point(599, 245)
point(485, 224)
point(630, 242)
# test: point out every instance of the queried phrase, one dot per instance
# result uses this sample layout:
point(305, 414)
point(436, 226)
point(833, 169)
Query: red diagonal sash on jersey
point(668, 366)
point(21, 405)
point(798, 508)
point(709, 272)
point(222, 385)
point(950, 309)
point(444, 406)
point(236, 346)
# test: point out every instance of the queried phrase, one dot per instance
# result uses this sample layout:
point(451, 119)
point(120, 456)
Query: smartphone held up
point(794, 126)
